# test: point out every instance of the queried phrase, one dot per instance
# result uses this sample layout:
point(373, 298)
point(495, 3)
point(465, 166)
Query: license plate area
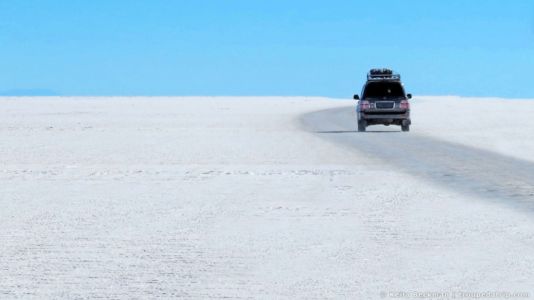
point(384, 104)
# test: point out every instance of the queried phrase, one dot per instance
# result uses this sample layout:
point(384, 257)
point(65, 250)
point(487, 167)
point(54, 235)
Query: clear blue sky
point(265, 47)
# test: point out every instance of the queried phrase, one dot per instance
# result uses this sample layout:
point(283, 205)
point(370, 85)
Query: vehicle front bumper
point(391, 114)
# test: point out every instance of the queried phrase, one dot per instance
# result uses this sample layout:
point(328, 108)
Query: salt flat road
point(269, 197)
point(474, 171)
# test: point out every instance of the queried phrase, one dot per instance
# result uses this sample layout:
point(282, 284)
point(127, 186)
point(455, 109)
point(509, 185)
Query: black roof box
point(381, 74)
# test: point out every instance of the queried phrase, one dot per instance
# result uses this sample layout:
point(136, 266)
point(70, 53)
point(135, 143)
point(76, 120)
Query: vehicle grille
point(384, 104)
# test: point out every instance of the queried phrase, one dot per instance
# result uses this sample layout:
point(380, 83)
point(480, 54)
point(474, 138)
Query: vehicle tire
point(362, 124)
point(405, 127)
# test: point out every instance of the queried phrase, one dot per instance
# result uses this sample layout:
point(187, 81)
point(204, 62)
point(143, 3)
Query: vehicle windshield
point(384, 90)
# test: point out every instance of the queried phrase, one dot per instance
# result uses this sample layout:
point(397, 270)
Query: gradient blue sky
point(271, 47)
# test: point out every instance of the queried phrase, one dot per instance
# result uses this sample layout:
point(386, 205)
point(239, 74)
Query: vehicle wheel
point(405, 127)
point(362, 125)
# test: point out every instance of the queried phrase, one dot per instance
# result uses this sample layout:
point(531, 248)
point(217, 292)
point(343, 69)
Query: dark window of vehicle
point(381, 90)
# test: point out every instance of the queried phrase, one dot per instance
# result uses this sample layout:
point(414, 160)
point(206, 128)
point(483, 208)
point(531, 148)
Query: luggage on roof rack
point(380, 74)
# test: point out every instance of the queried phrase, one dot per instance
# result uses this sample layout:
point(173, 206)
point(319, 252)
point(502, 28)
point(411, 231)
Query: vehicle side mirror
point(409, 96)
point(356, 97)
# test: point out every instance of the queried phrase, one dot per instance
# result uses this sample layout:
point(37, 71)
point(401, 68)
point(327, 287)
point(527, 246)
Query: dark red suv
point(383, 101)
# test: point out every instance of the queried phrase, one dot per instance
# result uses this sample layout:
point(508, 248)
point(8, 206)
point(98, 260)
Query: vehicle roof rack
point(382, 74)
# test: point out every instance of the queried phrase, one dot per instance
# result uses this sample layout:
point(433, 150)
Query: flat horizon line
point(249, 96)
